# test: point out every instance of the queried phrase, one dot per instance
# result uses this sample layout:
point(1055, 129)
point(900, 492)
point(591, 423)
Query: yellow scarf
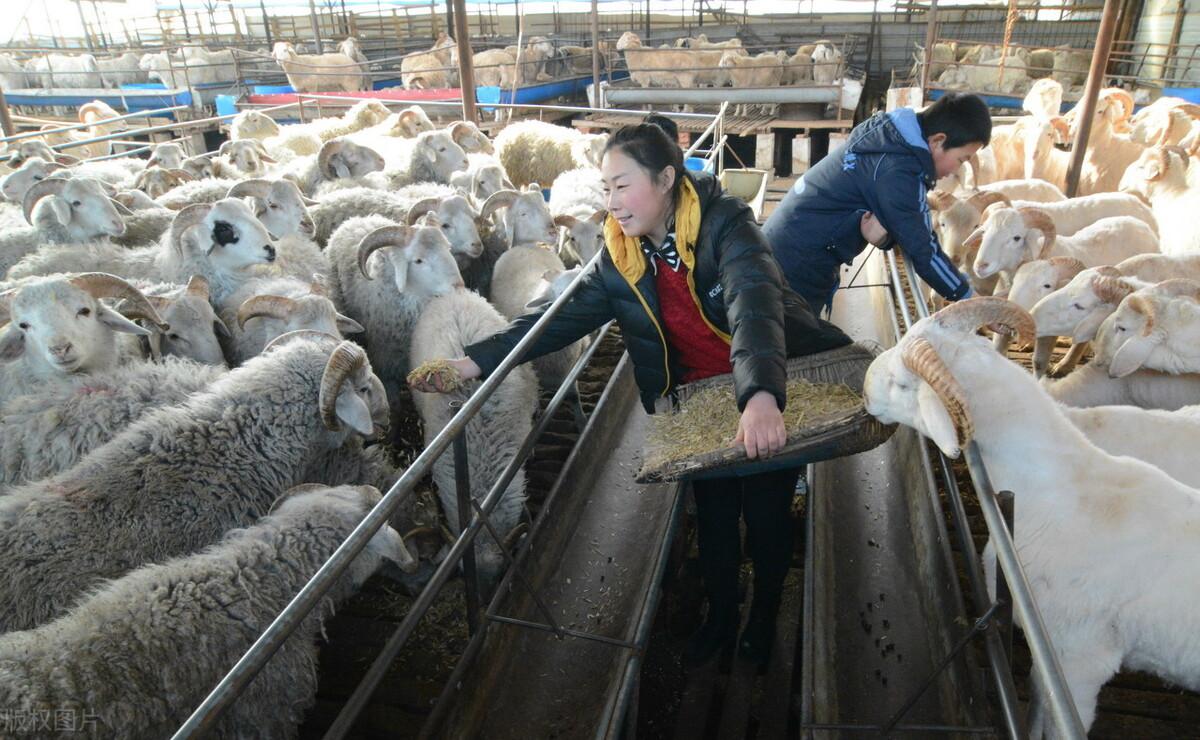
point(626, 251)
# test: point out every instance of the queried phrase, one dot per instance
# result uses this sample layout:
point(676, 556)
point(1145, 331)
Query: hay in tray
point(707, 421)
point(448, 377)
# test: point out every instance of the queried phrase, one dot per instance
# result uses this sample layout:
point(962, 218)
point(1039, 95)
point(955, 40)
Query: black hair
point(962, 117)
point(666, 124)
point(651, 147)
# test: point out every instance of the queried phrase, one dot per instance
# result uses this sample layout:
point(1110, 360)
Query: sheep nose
point(61, 350)
point(270, 250)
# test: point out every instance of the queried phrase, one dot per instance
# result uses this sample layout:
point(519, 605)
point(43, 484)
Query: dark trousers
point(765, 501)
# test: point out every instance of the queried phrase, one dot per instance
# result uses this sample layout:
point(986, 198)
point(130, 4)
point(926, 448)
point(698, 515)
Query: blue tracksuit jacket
point(886, 168)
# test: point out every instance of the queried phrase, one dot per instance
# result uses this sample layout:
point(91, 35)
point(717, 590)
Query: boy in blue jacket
point(873, 190)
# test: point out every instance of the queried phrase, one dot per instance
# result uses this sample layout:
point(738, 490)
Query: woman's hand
point(761, 428)
point(436, 383)
point(872, 230)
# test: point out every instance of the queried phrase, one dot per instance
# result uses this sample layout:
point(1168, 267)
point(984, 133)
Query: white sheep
point(1155, 328)
point(334, 209)
point(183, 623)
point(1042, 159)
point(64, 70)
point(31, 170)
point(1165, 439)
point(535, 151)
point(578, 205)
point(121, 70)
point(430, 69)
point(338, 158)
point(1109, 152)
point(252, 124)
point(177, 479)
point(1104, 242)
point(956, 218)
point(319, 72)
point(264, 309)
point(827, 63)
point(447, 324)
point(383, 274)
point(58, 327)
point(741, 71)
point(51, 428)
point(12, 73)
point(430, 156)
point(62, 211)
point(1160, 176)
point(527, 219)
point(1076, 505)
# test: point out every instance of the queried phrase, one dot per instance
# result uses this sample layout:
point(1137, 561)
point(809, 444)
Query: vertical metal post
point(1004, 615)
point(930, 38)
point(316, 25)
point(462, 487)
point(266, 22)
point(1087, 106)
point(599, 101)
point(187, 32)
point(450, 14)
point(6, 123)
point(466, 62)
point(84, 24)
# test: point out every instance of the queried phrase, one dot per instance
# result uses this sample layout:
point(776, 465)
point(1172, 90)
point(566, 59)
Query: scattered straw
point(707, 421)
point(447, 376)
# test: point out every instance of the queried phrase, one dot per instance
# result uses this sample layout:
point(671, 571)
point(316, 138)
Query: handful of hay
point(438, 373)
point(707, 421)
point(824, 418)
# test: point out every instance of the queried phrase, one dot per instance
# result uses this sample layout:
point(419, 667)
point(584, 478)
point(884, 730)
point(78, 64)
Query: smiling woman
point(690, 279)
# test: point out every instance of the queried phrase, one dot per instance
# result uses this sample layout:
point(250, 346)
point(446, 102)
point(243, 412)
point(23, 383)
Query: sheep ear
point(12, 344)
point(61, 209)
point(339, 167)
point(347, 325)
point(392, 547)
point(220, 329)
point(117, 322)
point(352, 411)
point(399, 269)
point(936, 421)
point(1131, 356)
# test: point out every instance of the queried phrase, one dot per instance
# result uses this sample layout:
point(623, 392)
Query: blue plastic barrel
point(698, 164)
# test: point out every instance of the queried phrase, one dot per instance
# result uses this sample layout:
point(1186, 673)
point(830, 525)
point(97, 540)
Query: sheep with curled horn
point(338, 159)
point(62, 212)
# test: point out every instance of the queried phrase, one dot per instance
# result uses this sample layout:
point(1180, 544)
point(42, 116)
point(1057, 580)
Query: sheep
point(1154, 328)
point(36, 148)
point(200, 167)
point(157, 182)
point(527, 219)
point(764, 70)
point(248, 158)
point(50, 429)
point(406, 124)
point(220, 242)
point(1160, 176)
point(1109, 153)
point(121, 70)
point(264, 309)
point(827, 63)
point(383, 273)
point(1165, 439)
point(432, 156)
point(1076, 502)
point(1042, 159)
point(182, 624)
point(446, 326)
point(1078, 308)
point(1162, 126)
point(168, 155)
point(12, 73)
point(1071, 67)
point(578, 206)
point(519, 281)
point(468, 136)
point(339, 158)
point(429, 69)
point(61, 211)
point(797, 69)
point(483, 177)
point(494, 68)
point(64, 70)
point(31, 170)
point(1104, 242)
point(667, 67)
point(535, 151)
point(182, 476)
point(195, 67)
point(442, 207)
point(252, 124)
point(340, 206)
point(305, 139)
point(1091, 385)
point(58, 327)
point(318, 72)
point(351, 48)
point(195, 191)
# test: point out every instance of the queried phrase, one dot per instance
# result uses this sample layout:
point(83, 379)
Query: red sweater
point(700, 351)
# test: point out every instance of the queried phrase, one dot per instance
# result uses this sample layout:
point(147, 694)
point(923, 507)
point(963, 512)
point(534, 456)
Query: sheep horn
point(1178, 288)
point(1066, 268)
point(1183, 155)
point(346, 359)
point(940, 200)
point(290, 335)
point(564, 220)
point(1109, 271)
point(973, 313)
point(1110, 289)
point(187, 218)
point(421, 207)
point(271, 306)
point(922, 359)
point(134, 311)
point(384, 236)
point(122, 209)
point(1145, 307)
point(459, 130)
point(198, 286)
point(1036, 218)
point(1189, 109)
point(181, 175)
point(981, 200)
point(256, 188)
point(49, 186)
point(498, 199)
point(328, 149)
point(103, 285)
point(1124, 97)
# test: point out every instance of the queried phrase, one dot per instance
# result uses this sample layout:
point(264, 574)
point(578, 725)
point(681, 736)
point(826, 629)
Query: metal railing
point(1011, 586)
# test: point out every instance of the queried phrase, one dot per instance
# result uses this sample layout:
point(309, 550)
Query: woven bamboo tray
point(841, 433)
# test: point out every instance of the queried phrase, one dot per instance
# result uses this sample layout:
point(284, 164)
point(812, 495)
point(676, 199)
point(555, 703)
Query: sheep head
point(553, 283)
point(420, 258)
point(195, 330)
point(343, 158)
point(283, 51)
point(468, 136)
point(441, 153)
point(456, 218)
point(62, 326)
point(1007, 240)
point(280, 206)
point(199, 167)
point(410, 122)
point(248, 155)
point(33, 170)
point(167, 155)
point(581, 238)
point(157, 182)
point(1039, 278)
point(527, 220)
point(34, 148)
point(227, 232)
point(80, 204)
point(312, 311)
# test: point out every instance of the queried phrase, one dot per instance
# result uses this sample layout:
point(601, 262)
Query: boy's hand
point(872, 230)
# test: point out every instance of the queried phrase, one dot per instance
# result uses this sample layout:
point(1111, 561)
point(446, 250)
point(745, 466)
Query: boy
point(873, 190)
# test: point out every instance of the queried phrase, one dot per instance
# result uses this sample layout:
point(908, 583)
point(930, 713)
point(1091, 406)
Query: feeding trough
point(749, 185)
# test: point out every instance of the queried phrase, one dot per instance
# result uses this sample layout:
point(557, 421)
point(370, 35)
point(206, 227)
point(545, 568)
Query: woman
point(690, 279)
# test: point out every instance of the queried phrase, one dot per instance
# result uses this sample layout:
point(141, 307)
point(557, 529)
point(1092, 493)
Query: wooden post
point(596, 54)
point(930, 38)
point(1087, 105)
point(1176, 31)
point(466, 62)
point(6, 123)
